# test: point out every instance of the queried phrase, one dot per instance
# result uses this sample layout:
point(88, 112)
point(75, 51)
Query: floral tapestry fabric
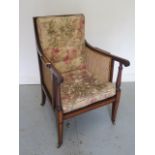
point(62, 40)
point(80, 89)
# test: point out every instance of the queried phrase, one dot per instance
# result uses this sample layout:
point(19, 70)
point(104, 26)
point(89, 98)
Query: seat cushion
point(81, 89)
point(62, 40)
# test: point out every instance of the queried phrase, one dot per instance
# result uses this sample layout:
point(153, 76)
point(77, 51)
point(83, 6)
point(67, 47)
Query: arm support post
point(56, 94)
point(119, 77)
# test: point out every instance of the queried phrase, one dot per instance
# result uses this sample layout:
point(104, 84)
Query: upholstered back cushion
point(62, 40)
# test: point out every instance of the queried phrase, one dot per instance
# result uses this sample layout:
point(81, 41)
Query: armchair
point(75, 76)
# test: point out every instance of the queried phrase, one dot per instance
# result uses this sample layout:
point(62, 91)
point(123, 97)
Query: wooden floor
point(91, 133)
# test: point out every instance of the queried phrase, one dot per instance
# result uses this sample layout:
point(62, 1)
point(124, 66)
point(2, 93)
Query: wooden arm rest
point(54, 71)
point(57, 80)
point(123, 61)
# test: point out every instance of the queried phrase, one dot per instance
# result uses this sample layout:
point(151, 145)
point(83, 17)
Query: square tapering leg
point(60, 128)
point(115, 105)
point(43, 99)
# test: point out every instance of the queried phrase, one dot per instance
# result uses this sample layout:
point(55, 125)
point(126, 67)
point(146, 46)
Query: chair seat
point(81, 89)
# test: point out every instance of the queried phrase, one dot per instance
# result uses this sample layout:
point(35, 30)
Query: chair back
point(62, 40)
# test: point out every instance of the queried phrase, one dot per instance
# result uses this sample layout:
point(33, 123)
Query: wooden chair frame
point(55, 100)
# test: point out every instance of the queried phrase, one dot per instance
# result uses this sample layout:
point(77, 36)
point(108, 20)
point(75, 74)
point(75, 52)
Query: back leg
point(43, 99)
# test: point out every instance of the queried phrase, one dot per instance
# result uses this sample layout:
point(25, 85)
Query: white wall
point(109, 25)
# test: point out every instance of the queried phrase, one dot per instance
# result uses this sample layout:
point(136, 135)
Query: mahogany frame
point(55, 99)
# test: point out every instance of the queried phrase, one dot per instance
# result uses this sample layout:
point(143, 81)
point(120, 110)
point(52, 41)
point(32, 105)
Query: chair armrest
point(52, 68)
point(57, 80)
point(123, 61)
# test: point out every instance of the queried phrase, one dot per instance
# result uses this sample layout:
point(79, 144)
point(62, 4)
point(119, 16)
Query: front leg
point(115, 105)
point(60, 128)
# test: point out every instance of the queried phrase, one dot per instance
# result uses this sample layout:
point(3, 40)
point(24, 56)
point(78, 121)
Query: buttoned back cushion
point(62, 40)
